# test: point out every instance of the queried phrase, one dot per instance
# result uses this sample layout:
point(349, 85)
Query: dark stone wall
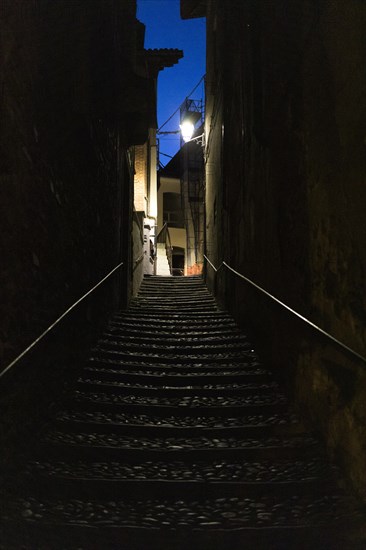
point(286, 195)
point(66, 124)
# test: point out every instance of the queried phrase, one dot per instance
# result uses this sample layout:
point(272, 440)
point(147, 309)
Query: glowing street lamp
point(187, 129)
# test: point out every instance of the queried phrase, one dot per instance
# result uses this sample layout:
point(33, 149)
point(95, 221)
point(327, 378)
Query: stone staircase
point(162, 263)
point(174, 436)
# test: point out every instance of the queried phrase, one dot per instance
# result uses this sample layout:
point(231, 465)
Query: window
point(172, 210)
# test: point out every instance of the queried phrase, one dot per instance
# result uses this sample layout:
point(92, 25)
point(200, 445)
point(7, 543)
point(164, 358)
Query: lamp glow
point(187, 129)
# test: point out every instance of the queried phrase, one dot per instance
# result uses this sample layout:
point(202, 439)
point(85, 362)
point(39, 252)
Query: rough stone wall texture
point(141, 178)
point(65, 175)
point(137, 252)
point(286, 194)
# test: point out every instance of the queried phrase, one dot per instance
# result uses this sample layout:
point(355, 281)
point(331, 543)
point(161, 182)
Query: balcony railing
point(173, 218)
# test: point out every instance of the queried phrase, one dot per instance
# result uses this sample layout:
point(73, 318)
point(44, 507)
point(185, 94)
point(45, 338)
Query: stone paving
point(174, 435)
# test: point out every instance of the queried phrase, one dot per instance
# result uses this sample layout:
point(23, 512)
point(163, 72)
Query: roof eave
point(191, 9)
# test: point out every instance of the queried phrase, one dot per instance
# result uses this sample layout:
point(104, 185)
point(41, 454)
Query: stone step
point(158, 378)
point(205, 305)
point(111, 446)
point(178, 317)
point(229, 389)
point(176, 340)
point(181, 347)
point(248, 365)
point(183, 281)
point(218, 318)
point(274, 472)
point(205, 356)
point(96, 422)
point(187, 311)
point(184, 298)
point(188, 280)
point(140, 487)
point(165, 336)
point(174, 300)
point(171, 325)
point(297, 521)
point(193, 480)
point(190, 406)
point(130, 532)
point(141, 425)
point(180, 293)
point(169, 333)
point(161, 375)
point(203, 298)
point(184, 310)
point(172, 284)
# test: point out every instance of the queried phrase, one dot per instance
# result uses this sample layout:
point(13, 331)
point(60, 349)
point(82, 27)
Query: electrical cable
point(175, 112)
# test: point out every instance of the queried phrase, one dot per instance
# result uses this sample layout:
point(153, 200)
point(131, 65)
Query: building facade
point(181, 207)
point(145, 220)
point(170, 213)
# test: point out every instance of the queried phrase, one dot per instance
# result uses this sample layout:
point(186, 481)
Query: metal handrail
point(298, 315)
point(163, 237)
point(212, 265)
point(168, 235)
point(169, 249)
point(160, 232)
point(138, 260)
point(48, 329)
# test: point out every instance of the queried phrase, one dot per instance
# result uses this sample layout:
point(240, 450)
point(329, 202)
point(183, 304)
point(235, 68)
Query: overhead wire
point(188, 95)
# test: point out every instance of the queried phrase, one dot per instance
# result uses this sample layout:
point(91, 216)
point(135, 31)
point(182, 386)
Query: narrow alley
point(182, 343)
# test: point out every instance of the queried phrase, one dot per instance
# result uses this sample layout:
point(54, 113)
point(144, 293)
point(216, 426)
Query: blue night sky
point(165, 29)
